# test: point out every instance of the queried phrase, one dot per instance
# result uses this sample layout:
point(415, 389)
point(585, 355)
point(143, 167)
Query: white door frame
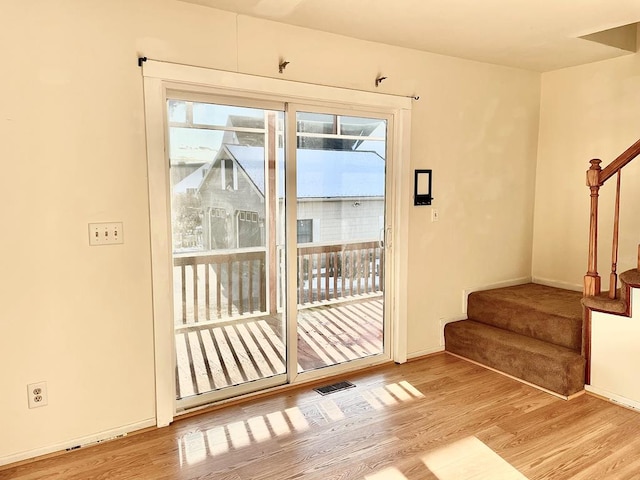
point(161, 76)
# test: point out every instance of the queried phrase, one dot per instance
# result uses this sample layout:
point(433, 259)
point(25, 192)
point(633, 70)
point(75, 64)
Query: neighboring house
point(340, 196)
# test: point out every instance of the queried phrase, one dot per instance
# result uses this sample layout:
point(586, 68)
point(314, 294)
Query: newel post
point(592, 279)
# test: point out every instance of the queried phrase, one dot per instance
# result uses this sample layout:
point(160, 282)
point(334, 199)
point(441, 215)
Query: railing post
point(592, 279)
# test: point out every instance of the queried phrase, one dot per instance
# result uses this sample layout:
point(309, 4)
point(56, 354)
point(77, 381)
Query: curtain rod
point(141, 60)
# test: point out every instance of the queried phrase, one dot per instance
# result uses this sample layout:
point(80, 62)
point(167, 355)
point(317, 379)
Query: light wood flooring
point(440, 413)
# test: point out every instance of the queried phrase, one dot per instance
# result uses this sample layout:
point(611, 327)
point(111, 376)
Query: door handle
point(385, 237)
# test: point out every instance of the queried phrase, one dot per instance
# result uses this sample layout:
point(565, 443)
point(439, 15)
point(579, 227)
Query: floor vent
point(335, 387)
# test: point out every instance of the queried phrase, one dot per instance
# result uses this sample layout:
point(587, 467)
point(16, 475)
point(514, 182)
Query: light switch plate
point(105, 233)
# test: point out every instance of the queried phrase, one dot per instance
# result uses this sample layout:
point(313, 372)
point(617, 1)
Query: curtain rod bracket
point(282, 65)
point(141, 60)
point(379, 80)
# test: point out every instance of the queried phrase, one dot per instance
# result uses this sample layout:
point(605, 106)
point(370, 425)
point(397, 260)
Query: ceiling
point(538, 35)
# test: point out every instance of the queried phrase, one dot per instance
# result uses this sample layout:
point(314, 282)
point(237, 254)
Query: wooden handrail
point(222, 256)
point(306, 249)
point(596, 177)
point(625, 157)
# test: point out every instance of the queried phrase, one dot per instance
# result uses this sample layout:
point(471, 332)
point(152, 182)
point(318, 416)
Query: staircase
point(541, 334)
point(531, 332)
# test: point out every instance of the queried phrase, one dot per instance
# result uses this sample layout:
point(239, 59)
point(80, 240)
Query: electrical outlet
point(37, 394)
point(105, 233)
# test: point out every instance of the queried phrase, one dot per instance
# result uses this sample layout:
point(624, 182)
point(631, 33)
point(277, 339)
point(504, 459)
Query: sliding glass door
point(227, 214)
point(257, 304)
point(340, 225)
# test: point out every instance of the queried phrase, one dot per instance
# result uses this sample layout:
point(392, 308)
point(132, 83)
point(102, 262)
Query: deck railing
point(331, 272)
point(210, 287)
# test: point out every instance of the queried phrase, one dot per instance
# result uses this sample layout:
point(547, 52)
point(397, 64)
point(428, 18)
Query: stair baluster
point(613, 279)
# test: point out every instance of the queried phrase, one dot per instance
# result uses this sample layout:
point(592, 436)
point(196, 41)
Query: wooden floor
point(243, 350)
point(437, 418)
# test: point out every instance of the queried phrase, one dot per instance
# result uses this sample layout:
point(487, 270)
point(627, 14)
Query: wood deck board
point(355, 331)
point(274, 358)
point(215, 357)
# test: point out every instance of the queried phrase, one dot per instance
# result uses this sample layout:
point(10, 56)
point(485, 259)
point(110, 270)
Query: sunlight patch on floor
point(330, 410)
point(194, 447)
point(296, 418)
point(278, 423)
point(390, 473)
point(469, 459)
point(259, 429)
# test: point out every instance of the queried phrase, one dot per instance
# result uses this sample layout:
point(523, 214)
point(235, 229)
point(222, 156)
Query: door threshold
point(272, 391)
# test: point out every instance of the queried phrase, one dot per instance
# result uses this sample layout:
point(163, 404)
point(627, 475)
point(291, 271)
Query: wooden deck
point(238, 351)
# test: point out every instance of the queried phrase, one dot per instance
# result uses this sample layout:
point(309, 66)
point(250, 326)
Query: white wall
point(586, 112)
point(615, 355)
point(476, 127)
point(73, 142)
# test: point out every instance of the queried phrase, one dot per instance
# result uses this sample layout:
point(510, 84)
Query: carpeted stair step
point(541, 363)
point(545, 313)
point(619, 305)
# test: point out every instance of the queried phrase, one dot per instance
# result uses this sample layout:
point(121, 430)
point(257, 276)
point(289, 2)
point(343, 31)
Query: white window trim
point(235, 175)
point(223, 173)
point(161, 76)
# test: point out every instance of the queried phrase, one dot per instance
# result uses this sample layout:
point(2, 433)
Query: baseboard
point(612, 397)
point(557, 284)
point(505, 283)
point(424, 353)
point(88, 440)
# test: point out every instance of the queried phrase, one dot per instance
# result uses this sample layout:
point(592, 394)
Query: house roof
point(321, 173)
point(191, 181)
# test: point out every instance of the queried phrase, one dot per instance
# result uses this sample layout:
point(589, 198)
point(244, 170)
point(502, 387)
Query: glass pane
point(363, 127)
point(177, 111)
point(316, 123)
point(229, 326)
point(193, 145)
point(227, 116)
point(340, 212)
